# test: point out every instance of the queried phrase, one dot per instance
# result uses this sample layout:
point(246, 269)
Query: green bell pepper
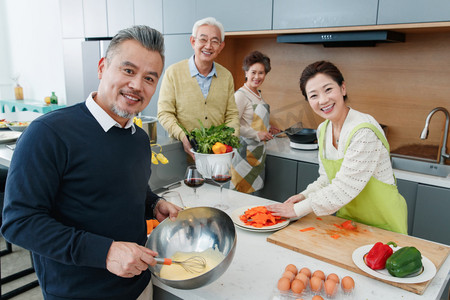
point(404, 262)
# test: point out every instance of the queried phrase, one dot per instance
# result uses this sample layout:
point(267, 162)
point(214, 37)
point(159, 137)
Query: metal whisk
point(194, 264)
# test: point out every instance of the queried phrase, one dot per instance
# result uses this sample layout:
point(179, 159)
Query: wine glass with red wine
point(194, 179)
point(221, 174)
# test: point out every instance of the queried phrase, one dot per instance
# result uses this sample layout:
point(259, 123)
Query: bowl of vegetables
point(18, 126)
point(212, 145)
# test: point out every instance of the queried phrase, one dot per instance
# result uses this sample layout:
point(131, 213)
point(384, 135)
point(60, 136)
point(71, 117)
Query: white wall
point(31, 45)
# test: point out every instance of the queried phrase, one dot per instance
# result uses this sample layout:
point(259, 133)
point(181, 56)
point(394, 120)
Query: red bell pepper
point(377, 256)
point(229, 148)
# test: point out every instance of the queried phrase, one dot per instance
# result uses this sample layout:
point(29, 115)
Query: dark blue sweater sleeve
point(30, 219)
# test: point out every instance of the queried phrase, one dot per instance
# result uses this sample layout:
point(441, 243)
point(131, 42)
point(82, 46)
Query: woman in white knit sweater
point(356, 179)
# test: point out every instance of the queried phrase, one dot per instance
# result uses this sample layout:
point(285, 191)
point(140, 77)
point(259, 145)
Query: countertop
point(280, 147)
point(258, 264)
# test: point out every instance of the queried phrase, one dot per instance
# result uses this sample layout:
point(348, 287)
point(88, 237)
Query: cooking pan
point(291, 130)
point(304, 136)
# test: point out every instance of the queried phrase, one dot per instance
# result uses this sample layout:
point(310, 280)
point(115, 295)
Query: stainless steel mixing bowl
point(195, 229)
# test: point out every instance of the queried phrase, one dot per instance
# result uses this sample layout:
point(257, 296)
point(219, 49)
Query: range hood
point(344, 39)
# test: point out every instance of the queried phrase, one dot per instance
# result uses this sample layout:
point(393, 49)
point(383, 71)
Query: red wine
point(194, 182)
point(221, 178)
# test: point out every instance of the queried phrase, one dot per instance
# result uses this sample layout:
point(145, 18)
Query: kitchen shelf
point(404, 28)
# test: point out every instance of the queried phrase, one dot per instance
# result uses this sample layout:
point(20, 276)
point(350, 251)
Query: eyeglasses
point(214, 42)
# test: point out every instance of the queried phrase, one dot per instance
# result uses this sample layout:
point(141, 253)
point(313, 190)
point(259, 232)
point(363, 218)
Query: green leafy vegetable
point(205, 138)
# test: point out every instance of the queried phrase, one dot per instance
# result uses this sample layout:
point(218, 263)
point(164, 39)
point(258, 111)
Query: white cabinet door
point(72, 18)
point(149, 12)
point(120, 15)
point(95, 18)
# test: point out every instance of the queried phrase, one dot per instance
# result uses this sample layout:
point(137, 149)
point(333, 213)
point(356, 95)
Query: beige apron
point(379, 204)
point(248, 170)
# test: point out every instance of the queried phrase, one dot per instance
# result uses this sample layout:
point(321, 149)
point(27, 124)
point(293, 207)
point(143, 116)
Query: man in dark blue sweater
point(77, 192)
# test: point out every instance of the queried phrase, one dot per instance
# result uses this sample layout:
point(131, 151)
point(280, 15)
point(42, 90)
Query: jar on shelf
point(53, 98)
point(18, 91)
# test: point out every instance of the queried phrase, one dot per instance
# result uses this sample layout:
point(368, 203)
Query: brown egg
point(284, 284)
point(306, 271)
point(333, 277)
point(319, 274)
point(303, 278)
point(316, 284)
point(289, 275)
point(297, 286)
point(317, 297)
point(348, 284)
point(330, 287)
point(291, 268)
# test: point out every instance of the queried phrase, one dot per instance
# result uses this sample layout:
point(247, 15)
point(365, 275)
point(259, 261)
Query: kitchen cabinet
point(281, 179)
point(323, 13)
point(413, 11)
point(178, 16)
point(238, 15)
point(431, 218)
point(149, 12)
point(120, 15)
point(306, 173)
point(71, 18)
point(408, 189)
point(95, 18)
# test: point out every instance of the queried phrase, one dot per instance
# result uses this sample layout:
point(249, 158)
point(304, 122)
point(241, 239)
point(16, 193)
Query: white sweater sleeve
point(358, 166)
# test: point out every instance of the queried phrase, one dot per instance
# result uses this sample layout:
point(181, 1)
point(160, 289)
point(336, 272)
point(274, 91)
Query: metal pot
point(149, 124)
point(304, 136)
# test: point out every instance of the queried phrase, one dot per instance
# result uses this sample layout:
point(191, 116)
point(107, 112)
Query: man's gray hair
point(149, 38)
point(209, 21)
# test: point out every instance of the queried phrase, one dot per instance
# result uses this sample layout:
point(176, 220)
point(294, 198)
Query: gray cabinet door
point(238, 15)
point(149, 12)
point(408, 190)
point(323, 13)
point(120, 15)
point(281, 179)
point(413, 11)
point(95, 18)
point(178, 16)
point(431, 217)
point(72, 18)
point(306, 173)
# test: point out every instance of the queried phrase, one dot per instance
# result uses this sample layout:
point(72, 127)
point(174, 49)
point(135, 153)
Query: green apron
point(379, 204)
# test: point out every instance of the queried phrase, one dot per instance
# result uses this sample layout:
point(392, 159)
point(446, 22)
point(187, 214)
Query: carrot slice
point(318, 218)
point(335, 236)
point(349, 224)
point(307, 229)
point(260, 216)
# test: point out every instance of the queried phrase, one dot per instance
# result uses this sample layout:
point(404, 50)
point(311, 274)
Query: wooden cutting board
point(331, 243)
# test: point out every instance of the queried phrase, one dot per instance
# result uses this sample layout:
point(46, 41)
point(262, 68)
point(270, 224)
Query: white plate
point(240, 211)
point(9, 136)
point(429, 269)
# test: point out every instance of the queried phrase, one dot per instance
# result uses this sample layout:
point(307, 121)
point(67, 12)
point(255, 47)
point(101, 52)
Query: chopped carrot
point(335, 236)
point(349, 224)
point(151, 224)
point(307, 229)
point(260, 216)
point(318, 218)
point(338, 226)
